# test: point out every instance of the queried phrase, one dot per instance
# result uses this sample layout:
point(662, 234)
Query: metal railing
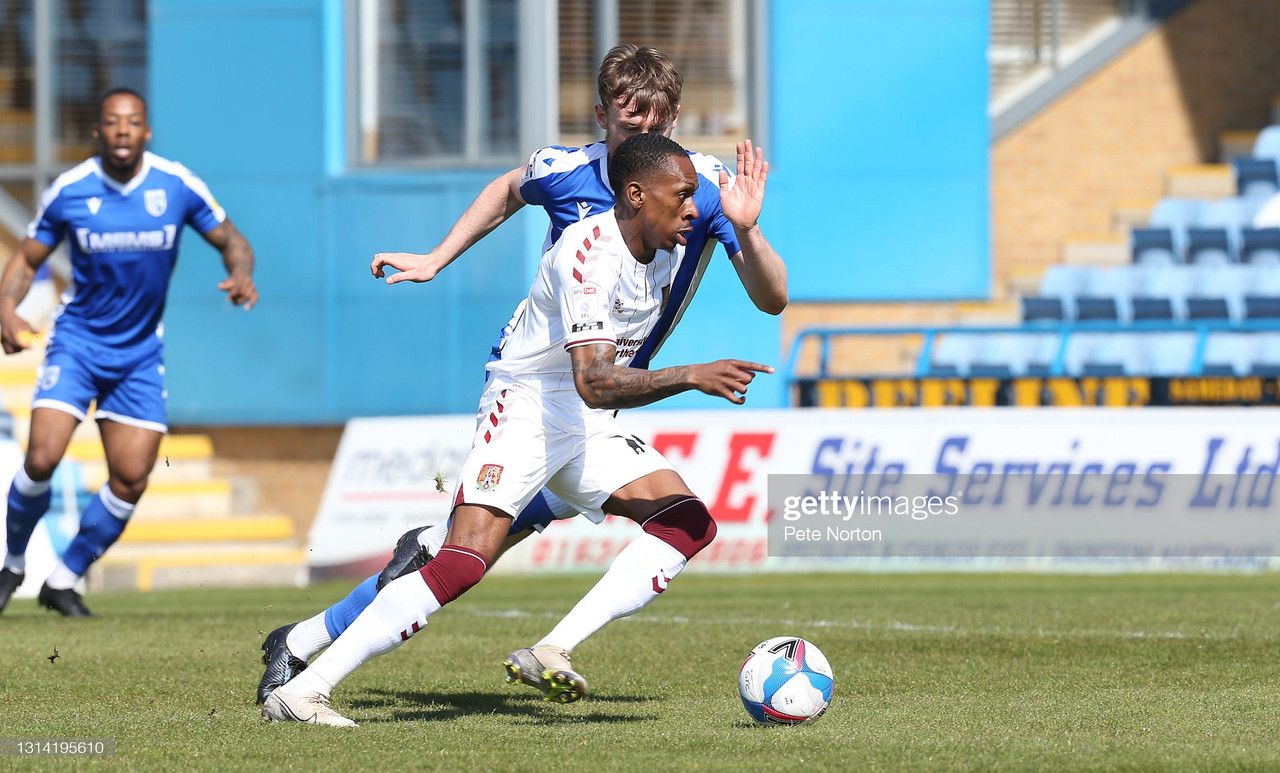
point(924, 362)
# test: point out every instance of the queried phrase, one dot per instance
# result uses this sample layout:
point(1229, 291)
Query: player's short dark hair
point(641, 156)
point(119, 91)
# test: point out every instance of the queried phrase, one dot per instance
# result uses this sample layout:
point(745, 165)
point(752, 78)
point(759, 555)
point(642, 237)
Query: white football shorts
point(526, 438)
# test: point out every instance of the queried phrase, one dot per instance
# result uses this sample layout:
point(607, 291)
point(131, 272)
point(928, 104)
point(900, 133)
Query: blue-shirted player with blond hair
point(122, 212)
point(639, 90)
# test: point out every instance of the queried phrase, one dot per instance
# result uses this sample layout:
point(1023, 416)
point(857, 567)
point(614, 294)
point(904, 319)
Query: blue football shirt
point(124, 244)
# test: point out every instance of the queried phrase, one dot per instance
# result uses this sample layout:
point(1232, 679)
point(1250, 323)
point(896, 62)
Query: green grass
point(933, 672)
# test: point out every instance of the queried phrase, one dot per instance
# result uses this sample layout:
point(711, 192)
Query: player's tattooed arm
point(15, 332)
point(237, 257)
point(604, 384)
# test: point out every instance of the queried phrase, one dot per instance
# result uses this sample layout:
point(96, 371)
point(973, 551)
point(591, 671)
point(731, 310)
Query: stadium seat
point(1209, 246)
point(1107, 294)
point(1261, 307)
point(1219, 293)
point(1151, 308)
point(1267, 145)
point(1008, 355)
point(1230, 354)
point(1058, 289)
point(1037, 309)
point(953, 353)
point(1267, 359)
point(1170, 284)
point(1169, 354)
point(1114, 354)
point(1256, 176)
point(1260, 246)
point(1154, 246)
point(1199, 307)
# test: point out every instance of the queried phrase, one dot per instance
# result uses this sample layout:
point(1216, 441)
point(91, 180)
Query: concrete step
point(184, 565)
point(182, 458)
point(1233, 144)
point(1128, 214)
point(1096, 249)
point(240, 528)
point(1201, 181)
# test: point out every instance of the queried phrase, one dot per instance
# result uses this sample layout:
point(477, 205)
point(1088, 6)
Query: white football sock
point(307, 638)
point(635, 578)
point(433, 538)
point(61, 578)
point(397, 612)
point(15, 563)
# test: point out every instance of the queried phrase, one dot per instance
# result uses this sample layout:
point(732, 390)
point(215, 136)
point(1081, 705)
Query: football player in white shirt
point(546, 419)
point(639, 90)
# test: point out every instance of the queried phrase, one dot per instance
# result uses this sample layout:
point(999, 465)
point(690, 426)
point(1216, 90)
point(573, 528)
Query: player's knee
point(40, 464)
point(686, 525)
point(452, 571)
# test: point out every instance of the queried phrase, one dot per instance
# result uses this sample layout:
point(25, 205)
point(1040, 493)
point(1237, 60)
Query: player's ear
point(147, 137)
point(675, 117)
point(635, 194)
point(600, 118)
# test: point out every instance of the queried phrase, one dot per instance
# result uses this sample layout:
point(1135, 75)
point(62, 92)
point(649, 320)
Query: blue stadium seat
point(1260, 246)
point(1154, 246)
point(1006, 355)
point(1256, 176)
point(1058, 289)
point(1267, 360)
point(1107, 294)
point(1160, 286)
point(953, 353)
point(1267, 145)
point(1209, 246)
point(1037, 309)
point(1230, 354)
point(1169, 354)
point(1114, 354)
point(1261, 307)
point(1219, 293)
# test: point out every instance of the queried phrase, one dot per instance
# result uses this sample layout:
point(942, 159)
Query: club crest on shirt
point(489, 476)
point(155, 201)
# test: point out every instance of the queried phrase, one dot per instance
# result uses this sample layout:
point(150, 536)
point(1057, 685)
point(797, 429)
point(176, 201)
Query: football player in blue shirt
point(123, 213)
point(639, 90)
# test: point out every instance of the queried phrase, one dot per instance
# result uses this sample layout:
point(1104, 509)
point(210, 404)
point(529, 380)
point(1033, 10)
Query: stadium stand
point(191, 528)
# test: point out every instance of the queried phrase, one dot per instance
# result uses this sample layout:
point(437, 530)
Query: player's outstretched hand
point(15, 334)
point(743, 201)
point(240, 290)
point(728, 378)
point(410, 267)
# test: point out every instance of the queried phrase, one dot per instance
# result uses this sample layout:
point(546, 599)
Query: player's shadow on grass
point(434, 706)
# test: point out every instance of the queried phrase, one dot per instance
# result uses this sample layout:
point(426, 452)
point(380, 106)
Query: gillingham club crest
point(489, 476)
point(155, 201)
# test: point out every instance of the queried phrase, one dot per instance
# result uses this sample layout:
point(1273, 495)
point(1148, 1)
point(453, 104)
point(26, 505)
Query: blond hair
point(644, 77)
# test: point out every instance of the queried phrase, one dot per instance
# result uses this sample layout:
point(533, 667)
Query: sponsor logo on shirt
point(127, 241)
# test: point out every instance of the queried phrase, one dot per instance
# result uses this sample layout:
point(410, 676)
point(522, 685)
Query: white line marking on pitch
point(891, 626)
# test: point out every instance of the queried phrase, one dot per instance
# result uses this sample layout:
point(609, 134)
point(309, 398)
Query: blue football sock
point(344, 613)
point(99, 530)
point(24, 513)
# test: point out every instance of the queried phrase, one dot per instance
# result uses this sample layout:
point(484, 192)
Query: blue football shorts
point(128, 384)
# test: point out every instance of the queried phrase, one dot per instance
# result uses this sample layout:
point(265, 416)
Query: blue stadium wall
point(879, 192)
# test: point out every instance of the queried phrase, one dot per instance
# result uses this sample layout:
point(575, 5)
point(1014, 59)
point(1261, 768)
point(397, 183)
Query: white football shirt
point(589, 289)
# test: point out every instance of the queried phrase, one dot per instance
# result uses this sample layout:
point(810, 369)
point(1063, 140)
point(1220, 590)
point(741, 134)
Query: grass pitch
point(933, 672)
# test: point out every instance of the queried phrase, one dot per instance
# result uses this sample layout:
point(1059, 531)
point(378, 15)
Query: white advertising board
point(383, 479)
